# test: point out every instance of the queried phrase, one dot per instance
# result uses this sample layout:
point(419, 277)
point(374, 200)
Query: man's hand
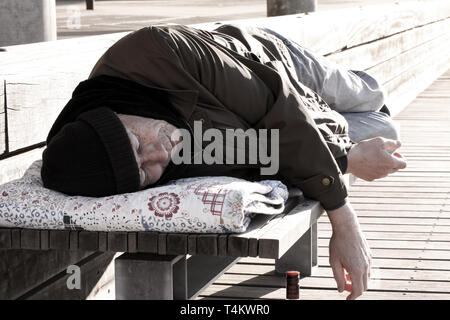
point(375, 158)
point(349, 252)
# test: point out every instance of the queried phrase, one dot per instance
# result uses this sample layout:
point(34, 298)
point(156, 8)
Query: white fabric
point(197, 205)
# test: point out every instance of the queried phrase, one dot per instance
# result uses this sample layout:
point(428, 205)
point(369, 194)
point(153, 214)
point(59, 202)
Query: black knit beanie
point(91, 156)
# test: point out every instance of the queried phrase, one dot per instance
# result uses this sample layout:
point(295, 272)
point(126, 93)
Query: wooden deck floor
point(405, 217)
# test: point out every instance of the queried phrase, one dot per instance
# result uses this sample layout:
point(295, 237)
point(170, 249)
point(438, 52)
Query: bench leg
point(302, 256)
point(141, 276)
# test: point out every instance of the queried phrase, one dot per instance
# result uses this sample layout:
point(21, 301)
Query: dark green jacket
point(240, 78)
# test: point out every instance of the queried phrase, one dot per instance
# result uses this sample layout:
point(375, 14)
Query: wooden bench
point(290, 238)
point(405, 46)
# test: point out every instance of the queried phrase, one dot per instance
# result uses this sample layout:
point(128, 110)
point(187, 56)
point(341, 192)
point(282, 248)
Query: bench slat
point(73, 240)
point(237, 246)
point(2, 117)
point(207, 244)
point(5, 238)
point(147, 242)
point(192, 244)
point(162, 243)
point(177, 243)
point(132, 242)
point(117, 241)
point(59, 240)
point(102, 241)
point(222, 243)
point(365, 56)
point(45, 239)
point(30, 239)
point(88, 240)
point(276, 241)
point(15, 238)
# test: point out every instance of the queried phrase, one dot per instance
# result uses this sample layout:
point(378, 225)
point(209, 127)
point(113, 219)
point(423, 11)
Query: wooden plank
point(117, 241)
point(30, 239)
point(15, 238)
point(401, 63)
point(385, 227)
point(401, 244)
point(59, 239)
point(275, 242)
point(2, 117)
point(403, 88)
point(256, 233)
point(419, 222)
point(413, 264)
point(73, 240)
point(132, 242)
point(249, 292)
point(177, 243)
point(5, 238)
point(239, 244)
point(407, 236)
point(207, 244)
point(356, 195)
point(162, 243)
point(25, 97)
point(222, 244)
point(45, 239)
point(373, 54)
point(192, 244)
point(88, 240)
point(102, 241)
point(362, 25)
point(410, 264)
point(398, 207)
point(405, 214)
point(147, 242)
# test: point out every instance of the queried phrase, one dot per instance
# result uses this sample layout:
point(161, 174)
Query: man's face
point(151, 143)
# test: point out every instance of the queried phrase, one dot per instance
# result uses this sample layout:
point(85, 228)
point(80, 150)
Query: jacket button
point(326, 181)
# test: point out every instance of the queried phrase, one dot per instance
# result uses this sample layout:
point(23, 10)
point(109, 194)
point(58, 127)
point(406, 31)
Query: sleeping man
point(169, 102)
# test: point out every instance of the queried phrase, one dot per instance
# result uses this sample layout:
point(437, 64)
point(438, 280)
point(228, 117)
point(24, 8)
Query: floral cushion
point(198, 205)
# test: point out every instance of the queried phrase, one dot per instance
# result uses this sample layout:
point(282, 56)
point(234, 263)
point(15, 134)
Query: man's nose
point(154, 152)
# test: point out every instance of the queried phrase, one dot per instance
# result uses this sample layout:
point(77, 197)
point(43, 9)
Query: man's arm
point(349, 251)
point(369, 159)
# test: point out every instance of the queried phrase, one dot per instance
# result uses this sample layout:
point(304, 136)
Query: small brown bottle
point(292, 286)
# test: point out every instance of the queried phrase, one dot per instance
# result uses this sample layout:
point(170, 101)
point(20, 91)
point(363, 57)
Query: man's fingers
point(391, 145)
point(357, 286)
point(366, 281)
point(339, 275)
point(399, 161)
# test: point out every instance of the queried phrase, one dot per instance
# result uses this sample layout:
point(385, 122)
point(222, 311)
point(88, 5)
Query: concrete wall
point(27, 21)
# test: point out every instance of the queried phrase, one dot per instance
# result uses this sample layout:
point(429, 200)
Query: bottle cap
point(292, 273)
